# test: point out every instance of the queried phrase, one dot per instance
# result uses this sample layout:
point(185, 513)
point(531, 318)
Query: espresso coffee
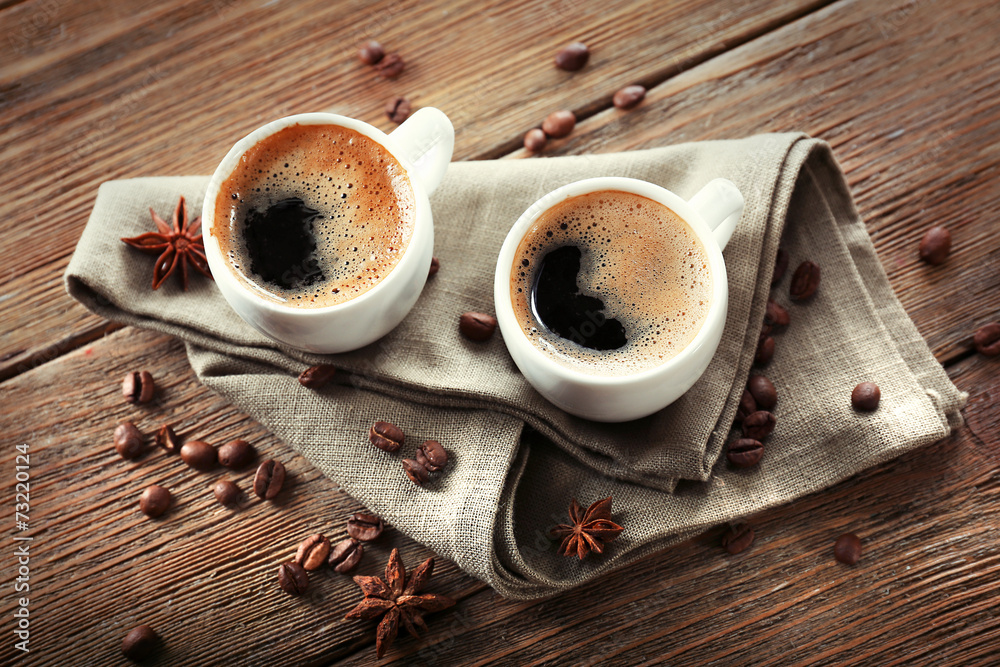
point(315, 215)
point(610, 283)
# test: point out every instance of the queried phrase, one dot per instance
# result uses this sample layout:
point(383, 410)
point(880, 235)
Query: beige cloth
point(506, 484)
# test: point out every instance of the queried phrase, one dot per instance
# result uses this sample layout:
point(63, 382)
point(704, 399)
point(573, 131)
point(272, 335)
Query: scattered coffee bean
point(317, 377)
point(391, 66)
point(847, 549)
point(987, 339)
point(128, 441)
point(226, 492)
point(758, 425)
point(416, 472)
point(572, 57)
point(629, 96)
point(765, 331)
point(435, 267)
point(765, 351)
point(432, 455)
point(236, 454)
point(805, 280)
point(748, 406)
point(738, 538)
point(477, 326)
point(346, 555)
point(535, 140)
point(365, 527)
point(745, 452)
point(269, 479)
point(559, 123)
point(168, 440)
point(763, 392)
point(313, 552)
point(936, 245)
point(371, 52)
point(398, 109)
point(866, 396)
point(780, 266)
point(138, 387)
point(293, 578)
point(387, 437)
point(140, 643)
point(154, 501)
point(199, 455)
point(776, 315)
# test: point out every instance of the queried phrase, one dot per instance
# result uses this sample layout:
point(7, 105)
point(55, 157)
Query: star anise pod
point(590, 531)
point(396, 599)
point(176, 246)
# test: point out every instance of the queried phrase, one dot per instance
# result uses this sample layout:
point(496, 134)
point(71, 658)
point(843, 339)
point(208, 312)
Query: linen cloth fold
point(506, 485)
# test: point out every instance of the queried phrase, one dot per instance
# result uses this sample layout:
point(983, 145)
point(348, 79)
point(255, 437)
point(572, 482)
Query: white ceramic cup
point(712, 214)
point(423, 145)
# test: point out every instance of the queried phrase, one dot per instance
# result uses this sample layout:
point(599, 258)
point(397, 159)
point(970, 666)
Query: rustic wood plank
point(93, 91)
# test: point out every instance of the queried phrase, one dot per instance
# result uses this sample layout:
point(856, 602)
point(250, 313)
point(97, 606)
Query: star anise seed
point(175, 246)
point(590, 531)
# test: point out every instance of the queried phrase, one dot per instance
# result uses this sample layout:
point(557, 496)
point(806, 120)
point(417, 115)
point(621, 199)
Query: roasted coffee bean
point(805, 280)
point(987, 339)
point(435, 267)
point(765, 351)
point(346, 555)
point(748, 406)
point(371, 52)
point(847, 549)
point(398, 109)
point(572, 57)
point(477, 326)
point(199, 455)
point(763, 392)
point(236, 454)
point(629, 96)
point(416, 472)
point(226, 492)
point(168, 440)
point(745, 452)
point(866, 396)
point(313, 552)
point(432, 455)
point(776, 315)
point(293, 578)
point(559, 123)
point(365, 527)
point(780, 266)
point(128, 441)
point(535, 140)
point(765, 331)
point(317, 377)
point(387, 437)
point(140, 643)
point(269, 479)
point(138, 387)
point(936, 245)
point(154, 501)
point(391, 66)
point(738, 538)
point(758, 425)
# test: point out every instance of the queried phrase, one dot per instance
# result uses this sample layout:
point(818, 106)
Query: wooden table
point(906, 91)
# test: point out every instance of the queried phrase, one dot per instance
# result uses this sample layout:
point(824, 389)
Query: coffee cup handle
point(427, 140)
point(720, 204)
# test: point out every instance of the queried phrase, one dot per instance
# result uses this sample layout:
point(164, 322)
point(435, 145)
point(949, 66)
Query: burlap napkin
point(507, 485)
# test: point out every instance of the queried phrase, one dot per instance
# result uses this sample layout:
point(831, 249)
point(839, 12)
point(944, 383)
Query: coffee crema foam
point(638, 257)
point(364, 204)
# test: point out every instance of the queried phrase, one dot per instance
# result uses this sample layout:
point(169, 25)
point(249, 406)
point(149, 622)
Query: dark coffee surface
point(315, 215)
point(610, 283)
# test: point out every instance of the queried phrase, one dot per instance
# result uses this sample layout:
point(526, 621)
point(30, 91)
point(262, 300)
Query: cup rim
point(231, 161)
point(687, 213)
